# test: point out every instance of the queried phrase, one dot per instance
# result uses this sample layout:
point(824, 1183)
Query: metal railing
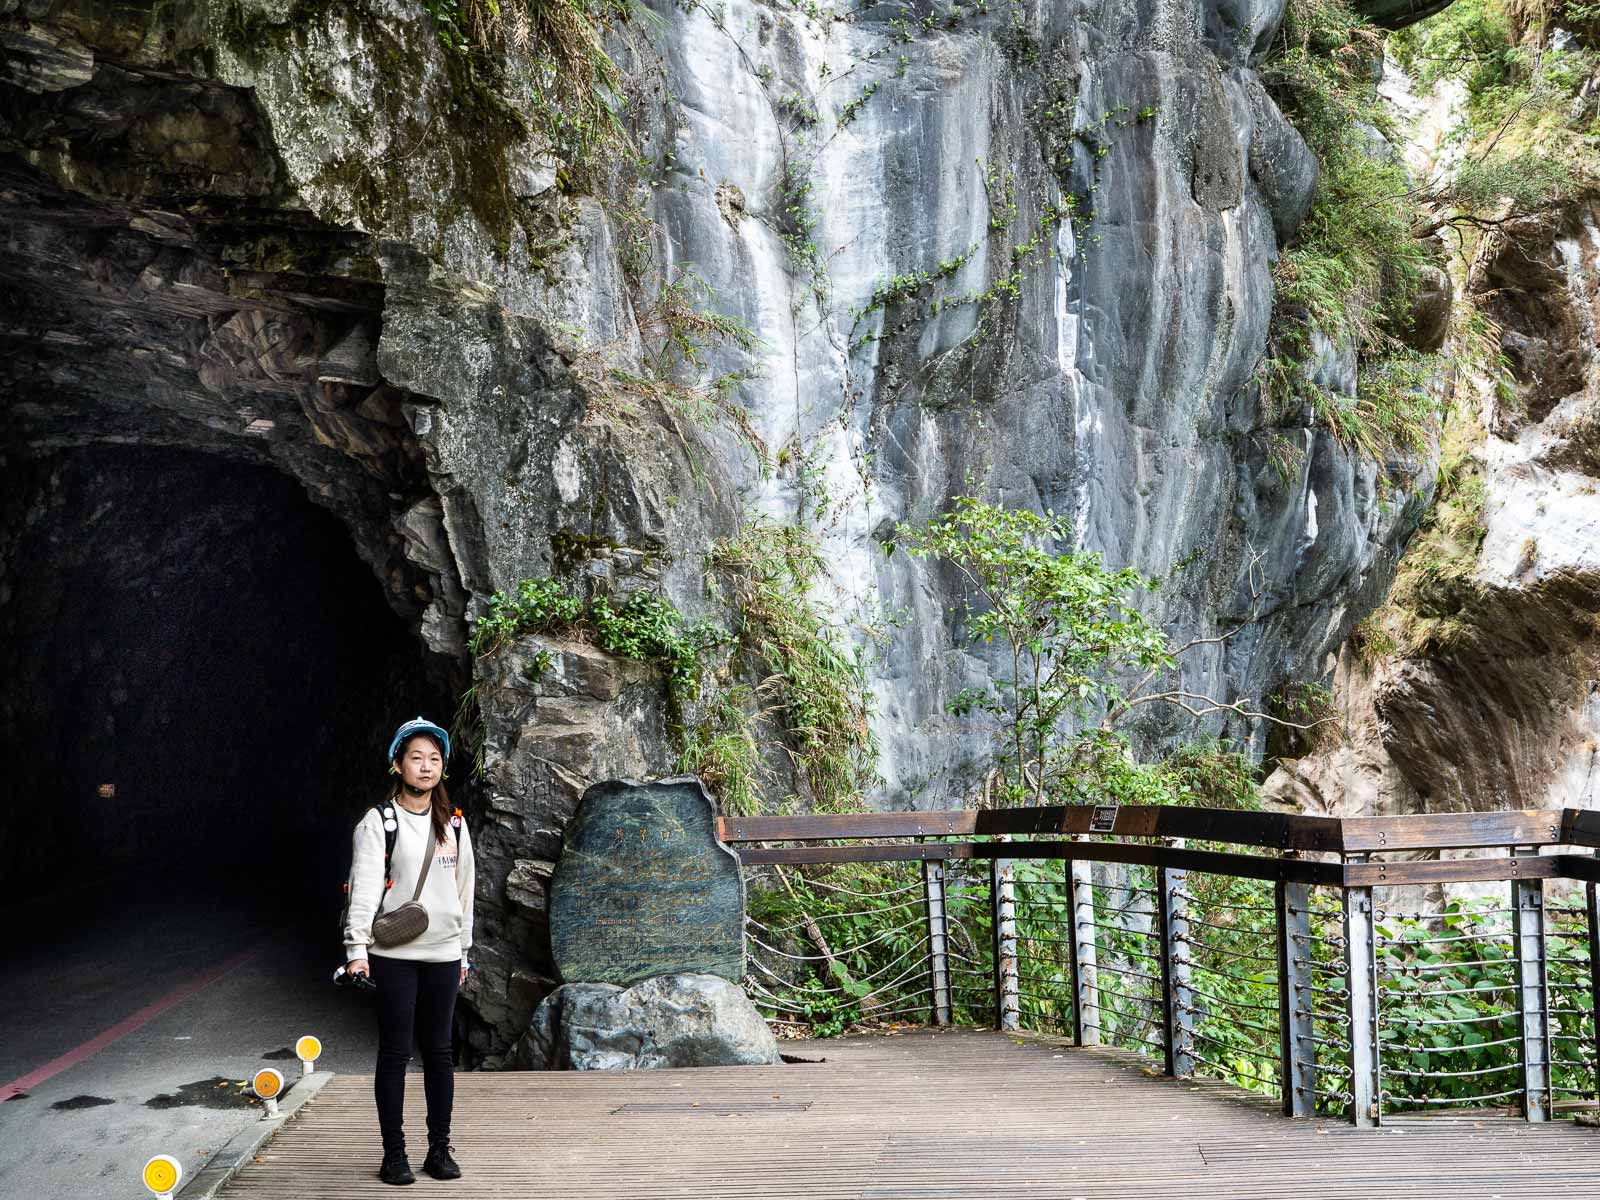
point(1250, 947)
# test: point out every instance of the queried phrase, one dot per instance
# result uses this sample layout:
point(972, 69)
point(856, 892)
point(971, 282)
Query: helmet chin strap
point(415, 793)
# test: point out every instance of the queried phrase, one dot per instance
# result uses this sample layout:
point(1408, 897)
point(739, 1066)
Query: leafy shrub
point(1069, 622)
point(827, 1014)
point(537, 606)
point(721, 749)
point(1525, 139)
point(1082, 654)
point(651, 629)
point(1527, 179)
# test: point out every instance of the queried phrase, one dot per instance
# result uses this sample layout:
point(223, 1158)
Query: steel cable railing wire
point(1570, 1000)
point(1448, 1016)
point(915, 885)
point(969, 948)
point(1427, 1022)
point(1479, 1098)
point(1230, 1002)
point(824, 960)
point(1226, 926)
point(1041, 925)
point(915, 903)
point(1329, 1038)
point(1120, 931)
point(856, 948)
point(867, 978)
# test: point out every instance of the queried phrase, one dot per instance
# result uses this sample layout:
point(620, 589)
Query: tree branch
point(1206, 706)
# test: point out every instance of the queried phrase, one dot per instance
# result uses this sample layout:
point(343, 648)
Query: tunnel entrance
point(201, 679)
point(226, 574)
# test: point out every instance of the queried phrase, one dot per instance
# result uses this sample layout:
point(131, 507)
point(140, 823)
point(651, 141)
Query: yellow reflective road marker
point(268, 1084)
point(309, 1049)
point(162, 1174)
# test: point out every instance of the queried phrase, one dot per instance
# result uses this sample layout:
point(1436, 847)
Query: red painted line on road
point(122, 1028)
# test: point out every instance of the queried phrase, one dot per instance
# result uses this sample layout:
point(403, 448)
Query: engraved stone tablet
point(644, 888)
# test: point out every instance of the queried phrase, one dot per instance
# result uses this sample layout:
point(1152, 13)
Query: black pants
point(414, 998)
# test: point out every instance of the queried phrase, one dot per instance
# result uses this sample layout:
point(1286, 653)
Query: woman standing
point(417, 978)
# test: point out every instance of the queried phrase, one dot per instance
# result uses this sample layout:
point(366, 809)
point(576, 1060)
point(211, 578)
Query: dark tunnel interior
point(201, 679)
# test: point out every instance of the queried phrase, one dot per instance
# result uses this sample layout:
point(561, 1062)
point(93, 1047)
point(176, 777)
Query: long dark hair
point(441, 798)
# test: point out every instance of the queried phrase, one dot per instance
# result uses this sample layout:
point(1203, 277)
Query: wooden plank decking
point(921, 1115)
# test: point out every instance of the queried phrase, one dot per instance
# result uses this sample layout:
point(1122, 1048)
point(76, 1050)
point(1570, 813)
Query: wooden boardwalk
point(921, 1115)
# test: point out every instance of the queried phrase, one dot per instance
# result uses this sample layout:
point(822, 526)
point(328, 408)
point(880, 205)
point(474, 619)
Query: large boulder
point(670, 1021)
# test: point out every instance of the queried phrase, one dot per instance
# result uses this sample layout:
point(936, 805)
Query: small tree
point(1082, 657)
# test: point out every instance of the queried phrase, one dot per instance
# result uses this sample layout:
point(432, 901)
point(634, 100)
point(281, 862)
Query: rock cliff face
point(1490, 697)
point(1029, 246)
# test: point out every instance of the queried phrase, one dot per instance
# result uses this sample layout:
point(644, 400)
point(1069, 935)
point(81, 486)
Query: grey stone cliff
point(297, 235)
point(1489, 699)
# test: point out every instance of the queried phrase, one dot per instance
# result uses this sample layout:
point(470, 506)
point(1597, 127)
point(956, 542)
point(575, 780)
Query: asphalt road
point(236, 983)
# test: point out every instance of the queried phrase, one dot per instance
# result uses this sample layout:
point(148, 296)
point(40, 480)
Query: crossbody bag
point(408, 922)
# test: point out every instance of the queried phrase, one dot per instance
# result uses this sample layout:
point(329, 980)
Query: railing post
point(1086, 975)
point(1073, 979)
point(1297, 1051)
point(1003, 895)
point(938, 959)
point(1533, 1017)
point(1594, 980)
point(1177, 997)
point(1361, 1004)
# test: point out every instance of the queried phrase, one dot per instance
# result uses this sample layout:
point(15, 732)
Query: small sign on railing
point(1103, 819)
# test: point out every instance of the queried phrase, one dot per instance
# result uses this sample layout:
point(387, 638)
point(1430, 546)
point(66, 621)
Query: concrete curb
point(241, 1148)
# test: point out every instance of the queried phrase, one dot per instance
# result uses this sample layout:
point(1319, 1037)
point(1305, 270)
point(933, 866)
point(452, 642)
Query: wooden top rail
point(1280, 831)
point(1277, 830)
point(1246, 866)
point(1455, 831)
point(1581, 867)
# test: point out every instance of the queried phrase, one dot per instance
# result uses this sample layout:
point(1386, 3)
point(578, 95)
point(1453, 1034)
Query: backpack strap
point(391, 833)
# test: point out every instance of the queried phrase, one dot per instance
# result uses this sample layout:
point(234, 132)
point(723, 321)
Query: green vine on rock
point(900, 290)
point(853, 109)
point(558, 46)
point(1353, 270)
point(643, 627)
point(816, 683)
point(679, 328)
point(797, 227)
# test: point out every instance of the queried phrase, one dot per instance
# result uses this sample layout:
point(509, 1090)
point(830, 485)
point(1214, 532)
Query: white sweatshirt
point(447, 894)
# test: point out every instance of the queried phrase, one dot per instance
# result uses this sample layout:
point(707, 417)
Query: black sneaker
point(439, 1164)
point(397, 1169)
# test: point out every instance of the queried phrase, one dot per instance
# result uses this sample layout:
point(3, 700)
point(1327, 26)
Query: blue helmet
point(416, 726)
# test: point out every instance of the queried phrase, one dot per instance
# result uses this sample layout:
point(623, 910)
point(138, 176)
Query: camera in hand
point(343, 977)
